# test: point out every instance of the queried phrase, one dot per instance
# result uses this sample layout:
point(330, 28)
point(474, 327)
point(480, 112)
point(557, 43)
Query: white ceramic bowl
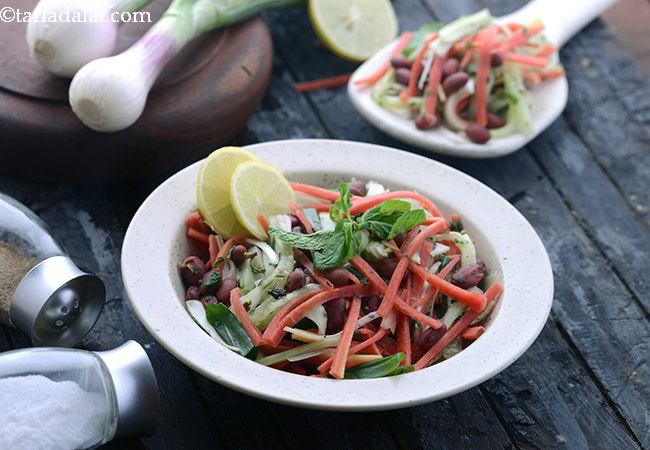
point(155, 243)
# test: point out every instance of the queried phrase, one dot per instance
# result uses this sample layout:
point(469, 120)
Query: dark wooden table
point(583, 184)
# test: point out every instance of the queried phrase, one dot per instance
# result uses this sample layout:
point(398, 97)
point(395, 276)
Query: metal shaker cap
point(56, 303)
point(136, 389)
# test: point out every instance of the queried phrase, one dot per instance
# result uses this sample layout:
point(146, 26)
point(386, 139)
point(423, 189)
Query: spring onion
point(88, 32)
point(109, 94)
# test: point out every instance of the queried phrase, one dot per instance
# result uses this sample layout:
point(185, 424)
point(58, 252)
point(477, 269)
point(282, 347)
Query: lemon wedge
point(213, 189)
point(257, 188)
point(354, 29)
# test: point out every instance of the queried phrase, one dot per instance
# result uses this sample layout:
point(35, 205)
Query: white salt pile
point(40, 414)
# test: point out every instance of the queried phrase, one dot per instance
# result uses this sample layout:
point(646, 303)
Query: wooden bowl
point(203, 99)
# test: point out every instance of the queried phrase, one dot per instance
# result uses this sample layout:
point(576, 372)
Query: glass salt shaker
point(42, 291)
point(98, 396)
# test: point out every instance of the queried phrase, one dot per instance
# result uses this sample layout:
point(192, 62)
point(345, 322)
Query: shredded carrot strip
point(365, 203)
point(284, 311)
point(264, 222)
point(244, 319)
point(395, 281)
point(401, 45)
point(546, 51)
point(195, 220)
point(323, 368)
point(432, 89)
point(356, 290)
point(409, 238)
point(433, 292)
point(416, 71)
point(473, 300)
point(467, 58)
point(366, 270)
point(552, 74)
point(315, 191)
point(455, 330)
point(485, 37)
point(403, 333)
point(319, 208)
point(198, 235)
point(213, 248)
point(525, 59)
point(519, 37)
point(343, 347)
point(408, 310)
point(323, 83)
point(473, 333)
point(416, 243)
point(309, 268)
point(301, 217)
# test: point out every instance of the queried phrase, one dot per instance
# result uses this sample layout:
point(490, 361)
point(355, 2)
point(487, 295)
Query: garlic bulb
point(63, 47)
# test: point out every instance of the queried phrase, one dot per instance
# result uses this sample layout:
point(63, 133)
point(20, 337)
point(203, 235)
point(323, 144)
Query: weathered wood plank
point(600, 206)
point(610, 111)
point(93, 238)
point(342, 122)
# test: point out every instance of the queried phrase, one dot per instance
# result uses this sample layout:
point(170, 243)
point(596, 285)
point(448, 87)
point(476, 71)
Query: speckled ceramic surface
point(155, 243)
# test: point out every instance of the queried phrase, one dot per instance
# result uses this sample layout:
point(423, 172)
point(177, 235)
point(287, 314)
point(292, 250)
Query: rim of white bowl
point(526, 274)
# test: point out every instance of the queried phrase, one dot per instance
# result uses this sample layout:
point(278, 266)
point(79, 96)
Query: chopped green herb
point(420, 35)
point(277, 293)
point(376, 369)
point(457, 226)
point(210, 283)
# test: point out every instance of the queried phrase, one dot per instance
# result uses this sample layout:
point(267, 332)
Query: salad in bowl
point(357, 282)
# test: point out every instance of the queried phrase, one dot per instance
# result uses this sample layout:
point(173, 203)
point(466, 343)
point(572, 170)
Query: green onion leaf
point(376, 369)
point(230, 330)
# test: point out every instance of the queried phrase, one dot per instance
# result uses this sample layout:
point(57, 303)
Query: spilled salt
point(37, 413)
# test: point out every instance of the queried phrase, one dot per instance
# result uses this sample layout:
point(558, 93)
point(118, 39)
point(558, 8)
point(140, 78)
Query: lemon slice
point(257, 188)
point(213, 189)
point(354, 29)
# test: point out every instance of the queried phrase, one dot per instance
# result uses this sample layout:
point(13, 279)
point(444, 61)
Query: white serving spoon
point(562, 19)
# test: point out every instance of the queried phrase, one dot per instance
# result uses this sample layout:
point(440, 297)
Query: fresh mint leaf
point(407, 221)
point(341, 208)
point(379, 219)
point(335, 253)
point(391, 205)
point(420, 36)
point(314, 241)
point(312, 216)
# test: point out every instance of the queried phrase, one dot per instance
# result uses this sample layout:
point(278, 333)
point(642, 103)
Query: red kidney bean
point(223, 293)
point(454, 82)
point(403, 75)
point(295, 222)
point(468, 276)
point(477, 133)
point(335, 315)
point(192, 270)
point(209, 300)
point(370, 304)
point(423, 341)
point(338, 276)
point(400, 238)
point(449, 67)
point(496, 60)
point(193, 293)
point(239, 255)
point(357, 188)
point(495, 121)
point(386, 268)
point(209, 283)
point(400, 62)
point(426, 122)
point(296, 280)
